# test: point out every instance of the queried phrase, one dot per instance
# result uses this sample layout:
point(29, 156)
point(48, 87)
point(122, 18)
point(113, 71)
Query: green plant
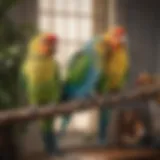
point(12, 49)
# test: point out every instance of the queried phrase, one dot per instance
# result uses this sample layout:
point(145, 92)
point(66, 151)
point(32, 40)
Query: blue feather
point(87, 86)
point(85, 89)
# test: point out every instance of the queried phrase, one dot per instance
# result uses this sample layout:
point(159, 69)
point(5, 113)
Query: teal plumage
point(83, 73)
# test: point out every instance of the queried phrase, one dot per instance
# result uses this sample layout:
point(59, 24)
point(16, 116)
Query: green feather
point(79, 69)
point(46, 92)
point(43, 93)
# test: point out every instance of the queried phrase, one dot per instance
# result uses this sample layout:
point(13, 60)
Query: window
point(71, 20)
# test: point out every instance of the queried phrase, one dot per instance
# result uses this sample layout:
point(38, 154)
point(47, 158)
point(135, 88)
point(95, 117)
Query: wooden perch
point(28, 113)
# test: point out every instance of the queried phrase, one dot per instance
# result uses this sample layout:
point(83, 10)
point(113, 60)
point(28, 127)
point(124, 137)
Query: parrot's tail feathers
point(65, 96)
point(50, 142)
point(104, 119)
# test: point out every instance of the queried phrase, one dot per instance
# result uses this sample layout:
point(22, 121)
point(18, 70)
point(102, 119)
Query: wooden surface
point(103, 154)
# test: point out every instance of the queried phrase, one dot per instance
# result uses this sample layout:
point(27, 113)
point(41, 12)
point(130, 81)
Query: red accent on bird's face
point(52, 38)
point(117, 37)
point(120, 31)
point(48, 45)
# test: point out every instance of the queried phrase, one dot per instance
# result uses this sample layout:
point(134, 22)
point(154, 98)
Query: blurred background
point(75, 22)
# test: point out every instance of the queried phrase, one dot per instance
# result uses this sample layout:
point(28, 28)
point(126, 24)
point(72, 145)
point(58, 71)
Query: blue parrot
point(82, 76)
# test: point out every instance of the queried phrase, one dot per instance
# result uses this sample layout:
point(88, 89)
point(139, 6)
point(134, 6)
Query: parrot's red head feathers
point(117, 37)
point(48, 44)
point(120, 31)
point(51, 38)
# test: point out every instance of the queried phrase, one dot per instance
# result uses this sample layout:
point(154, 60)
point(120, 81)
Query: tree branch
point(27, 113)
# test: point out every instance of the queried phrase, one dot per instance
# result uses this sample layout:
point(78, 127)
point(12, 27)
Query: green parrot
point(41, 82)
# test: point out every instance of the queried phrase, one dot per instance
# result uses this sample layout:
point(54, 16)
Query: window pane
point(60, 51)
point(58, 26)
point(86, 28)
point(60, 5)
point(70, 51)
point(44, 4)
point(72, 28)
point(86, 6)
point(72, 48)
point(72, 6)
point(63, 55)
point(43, 23)
point(81, 44)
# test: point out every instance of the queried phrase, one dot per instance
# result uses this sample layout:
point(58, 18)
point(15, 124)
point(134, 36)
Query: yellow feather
point(34, 43)
point(39, 71)
point(117, 67)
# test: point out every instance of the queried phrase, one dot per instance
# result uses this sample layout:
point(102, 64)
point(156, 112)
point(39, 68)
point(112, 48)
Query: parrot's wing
point(127, 73)
point(78, 68)
point(77, 73)
point(58, 82)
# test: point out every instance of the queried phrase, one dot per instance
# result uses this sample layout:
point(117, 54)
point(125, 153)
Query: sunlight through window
point(71, 20)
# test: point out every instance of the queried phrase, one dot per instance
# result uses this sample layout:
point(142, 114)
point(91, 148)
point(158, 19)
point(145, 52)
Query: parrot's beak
point(47, 50)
